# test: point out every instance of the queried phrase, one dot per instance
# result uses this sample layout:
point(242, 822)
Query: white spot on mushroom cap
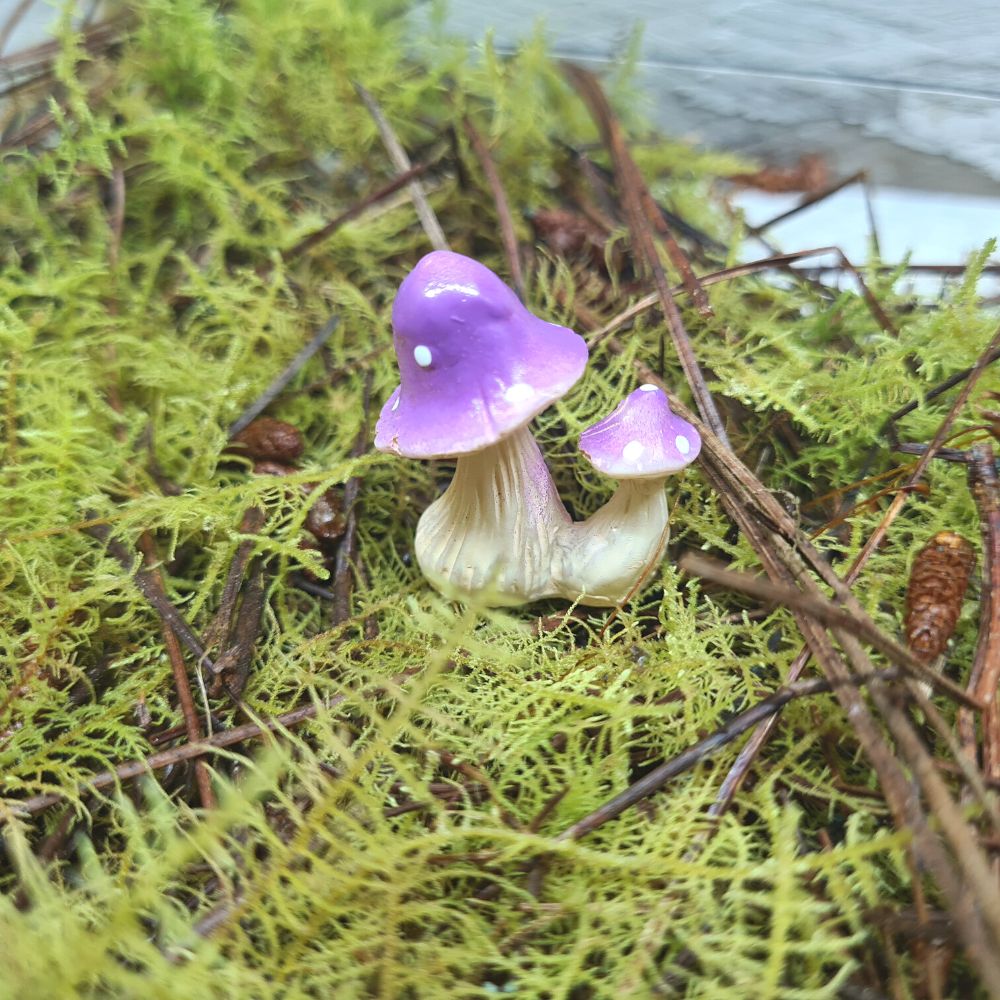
point(422, 355)
point(648, 387)
point(683, 445)
point(632, 452)
point(519, 392)
point(395, 404)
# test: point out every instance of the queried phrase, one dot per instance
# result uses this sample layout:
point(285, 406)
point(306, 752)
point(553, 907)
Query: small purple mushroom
point(602, 560)
point(475, 368)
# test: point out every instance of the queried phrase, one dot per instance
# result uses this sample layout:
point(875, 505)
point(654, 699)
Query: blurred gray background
point(911, 91)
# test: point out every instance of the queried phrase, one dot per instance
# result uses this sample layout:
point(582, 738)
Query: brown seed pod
point(266, 439)
point(325, 520)
point(938, 581)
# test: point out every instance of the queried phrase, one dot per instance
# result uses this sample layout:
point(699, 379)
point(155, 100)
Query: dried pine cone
point(938, 581)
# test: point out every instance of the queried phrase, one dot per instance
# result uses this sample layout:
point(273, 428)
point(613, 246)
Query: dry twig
point(984, 677)
point(507, 235)
point(428, 220)
point(294, 366)
point(635, 197)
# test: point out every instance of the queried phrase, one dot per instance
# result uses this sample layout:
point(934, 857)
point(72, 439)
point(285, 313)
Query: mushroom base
point(489, 537)
point(603, 560)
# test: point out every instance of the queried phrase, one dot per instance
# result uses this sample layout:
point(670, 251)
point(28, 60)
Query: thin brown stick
point(146, 585)
point(703, 750)
point(774, 261)
point(807, 201)
point(192, 751)
point(264, 400)
point(233, 665)
point(829, 614)
point(400, 160)
point(988, 358)
point(948, 270)
point(347, 551)
point(631, 188)
point(251, 522)
point(507, 234)
point(313, 240)
point(116, 219)
point(192, 726)
point(984, 677)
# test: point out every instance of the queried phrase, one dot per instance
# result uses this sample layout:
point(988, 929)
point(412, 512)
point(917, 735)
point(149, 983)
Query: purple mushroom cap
point(474, 364)
point(642, 438)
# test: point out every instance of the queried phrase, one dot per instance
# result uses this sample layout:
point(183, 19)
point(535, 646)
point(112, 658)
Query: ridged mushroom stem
point(489, 537)
point(601, 561)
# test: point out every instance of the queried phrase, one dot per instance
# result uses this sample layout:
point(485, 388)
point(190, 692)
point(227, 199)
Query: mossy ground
point(124, 361)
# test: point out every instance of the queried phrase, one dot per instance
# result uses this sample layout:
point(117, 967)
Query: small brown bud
point(268, 439)
point(272, 469)
point(326, 520)
point(938, 582)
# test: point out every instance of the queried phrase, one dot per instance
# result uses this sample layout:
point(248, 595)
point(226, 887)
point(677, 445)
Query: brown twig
point(704, 748)
point(233, 665)
point(991, 355)
point(192, 751)
point(984, 677)
point(116, 220)
point(192, 726)
point(779, 261)
point(34, 130)
point(829, 614)
point(347, 551)
point(218, 629)
point(264, 400)
point(93, 40)
point(400, 160)
point(807, 201)
point(600, 179)
point(634, 194)
point(507, 234)
point(146, 585)
point(307, 243)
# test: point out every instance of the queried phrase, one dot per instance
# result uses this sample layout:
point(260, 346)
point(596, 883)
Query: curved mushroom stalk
point(604, 559)
point(601, 561)
point(490, 536)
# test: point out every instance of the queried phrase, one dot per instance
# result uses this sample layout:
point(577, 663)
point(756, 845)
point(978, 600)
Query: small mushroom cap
point(474, 364)
point(642, 438)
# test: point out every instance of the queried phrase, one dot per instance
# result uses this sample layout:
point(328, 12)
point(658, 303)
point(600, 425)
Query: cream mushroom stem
point(601, 561)
point(489, 538)
point(605, 559)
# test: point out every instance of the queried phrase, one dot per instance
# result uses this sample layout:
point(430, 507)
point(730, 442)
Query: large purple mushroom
point(604, 559)
point(475, 368)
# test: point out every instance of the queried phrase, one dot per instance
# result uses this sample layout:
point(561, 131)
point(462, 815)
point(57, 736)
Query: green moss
point(240, 133)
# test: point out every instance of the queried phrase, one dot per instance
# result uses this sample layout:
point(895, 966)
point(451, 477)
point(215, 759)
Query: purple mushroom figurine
point(475, 368)
point(602, 560)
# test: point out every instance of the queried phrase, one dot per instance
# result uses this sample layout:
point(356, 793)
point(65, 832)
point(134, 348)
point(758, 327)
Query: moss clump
point(401, 843)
